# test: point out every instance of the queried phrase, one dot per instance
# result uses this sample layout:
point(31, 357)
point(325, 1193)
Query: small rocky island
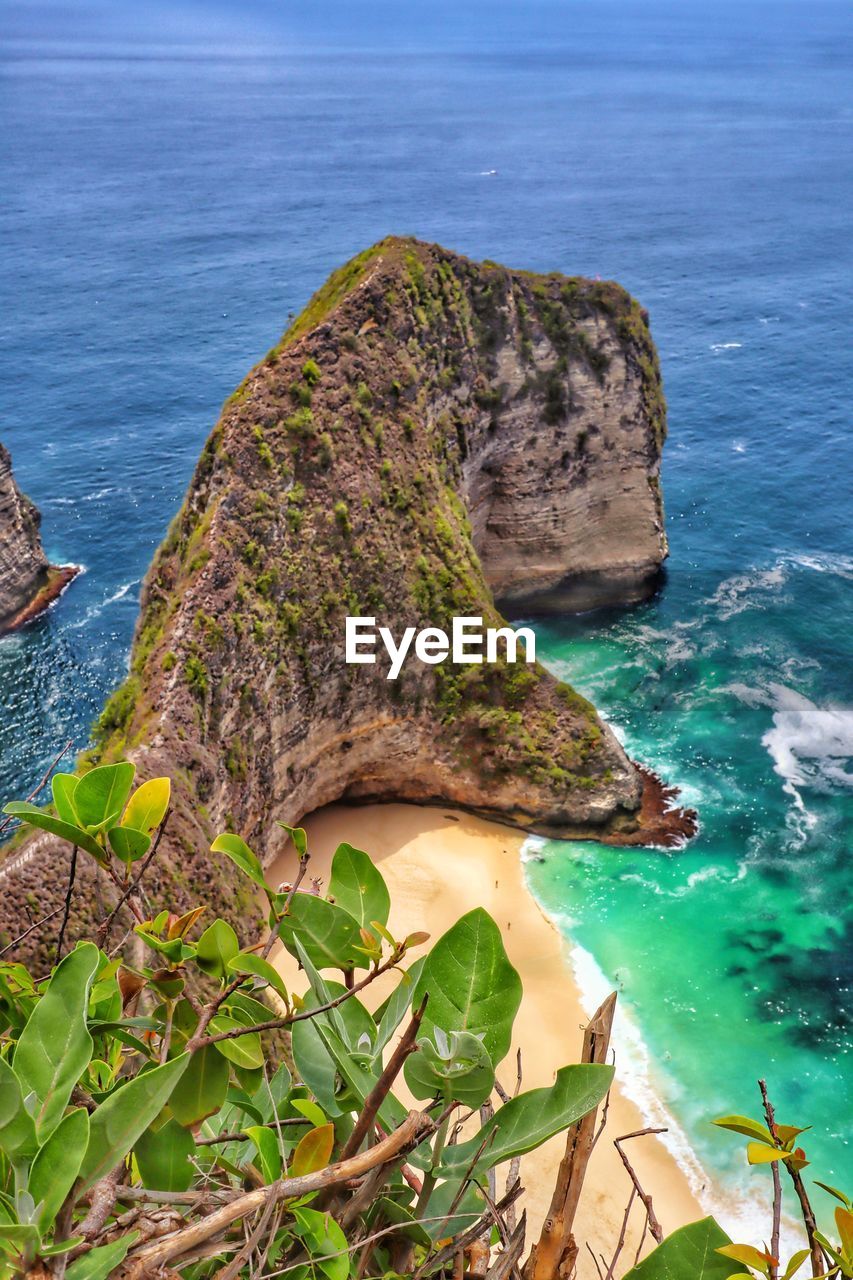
point(432, 437)
point(28, 583)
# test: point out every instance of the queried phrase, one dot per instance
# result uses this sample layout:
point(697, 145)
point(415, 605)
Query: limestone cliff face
point(23, 564)
point(429, 435)
point(563, 490)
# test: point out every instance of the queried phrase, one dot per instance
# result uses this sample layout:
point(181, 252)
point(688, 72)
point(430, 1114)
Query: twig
point(620, 1244)
point(200, 1040)
point(37, 924)
point(7, 822)
point(505, 1262)
point(555, 1250)
point(104, 1197)
point(468, 1237)
point(818, 1260)
point(595, 1261)
point(643, 1235)
point(240, 1136)
point(382, 1088)
point(654, 1225)
point(773, 1270)
point(104, 928)
point(141, 1262)
point(72, 875)
point(232, 1269)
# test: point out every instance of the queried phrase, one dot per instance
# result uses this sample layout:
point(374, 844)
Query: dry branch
point(146, 1261)
point(555, 1252)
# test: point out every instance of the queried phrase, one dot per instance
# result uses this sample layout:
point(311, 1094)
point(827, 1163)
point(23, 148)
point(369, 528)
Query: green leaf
point(324, 1241)
point(163, 1156)
point(246, 962)
point(797, 1260)
point(21, 1238)
point(329, 934)
point(17, 1130)
point(201, 1090)
point(36, 817)
point(743, 1124)
point(298, 836)
point(57, 1164)
point(357, 886)
point(689, 1254)
point(55, 1046)
point(833, 1191)
point(117, 1123)
point(390, 1014)
point(440, 1222)
point(406, 1221)
point(128, 844)
point(273, 1095)
point(269, 1155)
point(243, 1051)
point(59, 1246)
point(63, 786)
point(147, 806)
point(463, 1072)
point(235, 848)
point(531, 1118)
point(317, 1069)
point(217, 946)
point(102, 792)
point(471, 984)
point(309, 1110)
point(99, 1263)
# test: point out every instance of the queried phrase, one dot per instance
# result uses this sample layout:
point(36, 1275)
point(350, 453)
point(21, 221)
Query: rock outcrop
point(28, 583)
point(430, 435)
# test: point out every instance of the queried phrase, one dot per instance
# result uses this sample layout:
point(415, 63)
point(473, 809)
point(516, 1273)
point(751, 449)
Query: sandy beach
point(439, 864)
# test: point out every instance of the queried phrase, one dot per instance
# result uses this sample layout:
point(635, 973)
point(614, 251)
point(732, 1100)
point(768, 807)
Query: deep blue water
point(178, 178)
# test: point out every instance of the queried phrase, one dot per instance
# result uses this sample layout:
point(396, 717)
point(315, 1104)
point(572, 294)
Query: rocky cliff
point(431, 435)
point(28, 584)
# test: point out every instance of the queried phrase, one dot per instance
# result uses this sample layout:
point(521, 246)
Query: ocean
point(179, 178)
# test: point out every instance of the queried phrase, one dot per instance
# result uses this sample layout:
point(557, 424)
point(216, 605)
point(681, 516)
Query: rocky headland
point(28, 583)
point(431, 437)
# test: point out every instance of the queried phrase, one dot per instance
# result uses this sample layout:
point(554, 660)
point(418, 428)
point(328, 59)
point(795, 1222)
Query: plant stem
point(773, 1272)
point(431, 1175)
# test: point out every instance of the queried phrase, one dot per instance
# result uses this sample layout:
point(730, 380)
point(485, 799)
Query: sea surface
point(178, 178)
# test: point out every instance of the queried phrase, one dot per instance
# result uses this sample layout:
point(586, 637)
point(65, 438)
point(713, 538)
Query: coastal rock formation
point(28, 584)
point(430, 434)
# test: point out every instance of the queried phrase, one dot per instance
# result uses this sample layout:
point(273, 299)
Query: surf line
point(468, 642)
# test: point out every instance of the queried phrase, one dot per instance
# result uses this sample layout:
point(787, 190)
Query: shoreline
point(440, 863)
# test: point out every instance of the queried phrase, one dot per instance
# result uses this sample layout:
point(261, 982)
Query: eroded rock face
point(429, 434)
point(23, 564)
point(565, 497)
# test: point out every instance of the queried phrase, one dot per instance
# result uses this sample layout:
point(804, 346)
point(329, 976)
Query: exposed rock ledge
point(429, 434)
point(28, 583)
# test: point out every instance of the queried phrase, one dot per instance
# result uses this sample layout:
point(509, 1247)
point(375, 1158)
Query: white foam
point(717, 347)
point(96, 610)
point(738, 593)
point(809, 746)
point(740, 1209)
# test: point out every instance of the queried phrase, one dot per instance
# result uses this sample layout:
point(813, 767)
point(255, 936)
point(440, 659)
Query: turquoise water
point(177, 177)
point(733, 955)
